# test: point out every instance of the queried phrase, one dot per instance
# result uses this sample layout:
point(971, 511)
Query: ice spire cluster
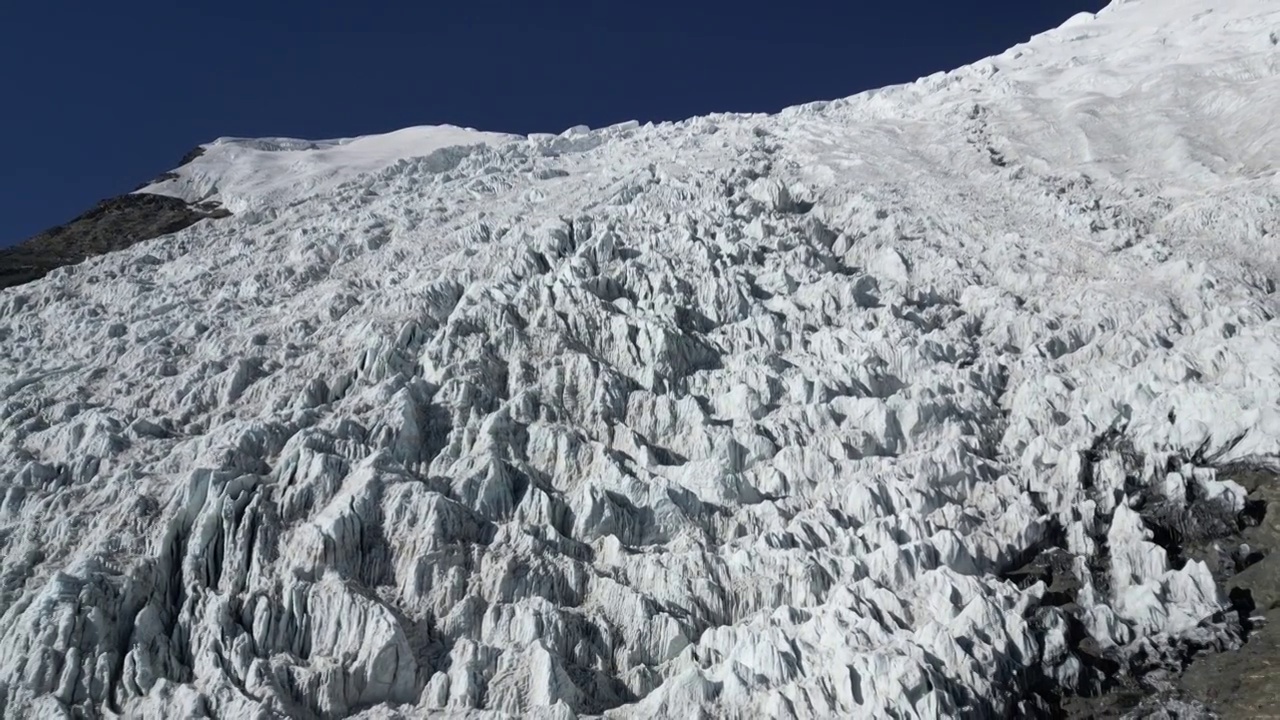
point(875, 407)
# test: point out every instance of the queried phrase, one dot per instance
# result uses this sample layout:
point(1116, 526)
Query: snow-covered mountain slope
point(887, 406)
point(243, 173)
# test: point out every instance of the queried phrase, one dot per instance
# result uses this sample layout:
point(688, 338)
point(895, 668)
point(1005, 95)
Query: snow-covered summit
point(1181, 74)
point(882, 406)
point(241, 173)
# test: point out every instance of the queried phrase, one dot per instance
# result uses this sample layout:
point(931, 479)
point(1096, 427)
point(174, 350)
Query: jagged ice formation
point(740, 416)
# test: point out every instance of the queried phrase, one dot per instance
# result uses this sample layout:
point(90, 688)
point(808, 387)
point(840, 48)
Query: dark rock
point(192, 154)
point(113, 224)
point(1217, 680)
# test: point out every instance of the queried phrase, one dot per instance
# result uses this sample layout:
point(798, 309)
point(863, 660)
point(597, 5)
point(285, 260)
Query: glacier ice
point(740, 416)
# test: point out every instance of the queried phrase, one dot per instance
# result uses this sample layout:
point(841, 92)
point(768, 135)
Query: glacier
point(880, 407)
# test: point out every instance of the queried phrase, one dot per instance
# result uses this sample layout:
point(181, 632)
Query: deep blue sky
point(98, 97)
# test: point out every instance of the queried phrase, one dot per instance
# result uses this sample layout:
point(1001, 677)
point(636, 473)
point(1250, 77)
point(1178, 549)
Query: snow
point(242, 173)
point(742, 416)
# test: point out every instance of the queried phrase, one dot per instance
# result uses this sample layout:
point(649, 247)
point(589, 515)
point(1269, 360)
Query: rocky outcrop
point(112, 224)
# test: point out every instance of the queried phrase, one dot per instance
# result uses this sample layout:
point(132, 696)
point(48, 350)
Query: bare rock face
point(114, 224)
point(930, 402)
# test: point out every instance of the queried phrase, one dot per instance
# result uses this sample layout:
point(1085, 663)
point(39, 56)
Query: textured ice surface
point(741, 416)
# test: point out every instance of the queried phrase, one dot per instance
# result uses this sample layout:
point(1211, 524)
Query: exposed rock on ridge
point(113, 224)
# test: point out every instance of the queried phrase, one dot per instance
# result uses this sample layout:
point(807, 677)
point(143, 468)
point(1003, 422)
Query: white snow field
point(742, 416)
point(242, 173)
